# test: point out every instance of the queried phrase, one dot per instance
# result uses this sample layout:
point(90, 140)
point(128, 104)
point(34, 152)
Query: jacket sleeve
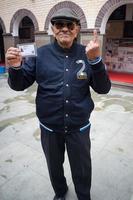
point(24, 77)
point(99, 78)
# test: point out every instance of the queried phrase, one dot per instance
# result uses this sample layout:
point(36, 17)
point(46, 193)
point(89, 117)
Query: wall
point(41, 8)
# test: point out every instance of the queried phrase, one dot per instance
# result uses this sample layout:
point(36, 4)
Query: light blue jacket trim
point(85, 127)
point(46, 127)
point(94, 62)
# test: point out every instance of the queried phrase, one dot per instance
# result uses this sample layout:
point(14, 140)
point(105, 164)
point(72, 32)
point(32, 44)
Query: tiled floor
point(23, 170)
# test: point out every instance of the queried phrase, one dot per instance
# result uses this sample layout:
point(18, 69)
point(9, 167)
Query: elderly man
point(64, 72)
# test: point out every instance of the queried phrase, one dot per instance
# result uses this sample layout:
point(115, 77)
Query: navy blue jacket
point(63, 101)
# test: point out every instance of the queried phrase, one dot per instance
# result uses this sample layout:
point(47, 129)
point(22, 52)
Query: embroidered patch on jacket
point(81, 74)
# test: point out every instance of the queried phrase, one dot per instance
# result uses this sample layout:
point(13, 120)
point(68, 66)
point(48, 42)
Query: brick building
point(29, 21)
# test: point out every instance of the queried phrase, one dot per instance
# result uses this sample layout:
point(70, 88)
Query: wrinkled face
point(65, 32)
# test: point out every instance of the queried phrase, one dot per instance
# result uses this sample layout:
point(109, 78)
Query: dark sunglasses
point(62, 24)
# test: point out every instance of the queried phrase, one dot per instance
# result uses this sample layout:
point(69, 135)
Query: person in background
point(64, 71)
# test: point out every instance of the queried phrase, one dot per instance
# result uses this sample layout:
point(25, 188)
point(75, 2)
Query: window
point(24, 33)
point(128, 29)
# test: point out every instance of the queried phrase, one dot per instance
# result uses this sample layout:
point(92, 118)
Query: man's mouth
point(64, 34)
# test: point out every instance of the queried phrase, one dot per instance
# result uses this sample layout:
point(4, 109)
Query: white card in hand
point(27, 49)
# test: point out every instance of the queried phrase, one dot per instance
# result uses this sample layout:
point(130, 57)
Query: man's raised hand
point(93, 47)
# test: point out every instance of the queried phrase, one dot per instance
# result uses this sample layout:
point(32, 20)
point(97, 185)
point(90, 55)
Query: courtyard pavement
point(23, 170)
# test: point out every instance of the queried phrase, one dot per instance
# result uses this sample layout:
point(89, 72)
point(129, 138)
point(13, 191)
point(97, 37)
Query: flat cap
point(65, 14)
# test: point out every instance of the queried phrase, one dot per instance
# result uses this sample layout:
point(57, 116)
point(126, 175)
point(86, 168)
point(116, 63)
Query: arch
point(67, 4)
point(18, 16)
point(2, 25)
point(106, 11)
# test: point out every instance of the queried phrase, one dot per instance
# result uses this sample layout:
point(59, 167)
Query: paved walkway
point(23, 170)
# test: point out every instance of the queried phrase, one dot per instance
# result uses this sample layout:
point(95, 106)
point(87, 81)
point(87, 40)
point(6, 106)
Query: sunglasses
point(62, 24)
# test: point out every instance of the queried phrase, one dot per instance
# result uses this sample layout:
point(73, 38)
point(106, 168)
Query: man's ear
point(77, 31)
point(78, 28)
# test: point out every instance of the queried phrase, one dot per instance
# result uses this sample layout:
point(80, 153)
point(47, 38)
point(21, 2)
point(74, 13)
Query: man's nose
point(65, 27)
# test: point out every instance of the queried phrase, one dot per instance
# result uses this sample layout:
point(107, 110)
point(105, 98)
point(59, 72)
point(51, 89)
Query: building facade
point(29, 21)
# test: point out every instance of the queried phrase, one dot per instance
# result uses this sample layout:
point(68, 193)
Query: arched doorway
point(2, 50)
point(115, 21)
point(26, 30)
point(23, 26)
point(2, 55)
point(119, 40)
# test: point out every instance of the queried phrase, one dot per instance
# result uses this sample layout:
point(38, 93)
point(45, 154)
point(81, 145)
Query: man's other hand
point(13, 57)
